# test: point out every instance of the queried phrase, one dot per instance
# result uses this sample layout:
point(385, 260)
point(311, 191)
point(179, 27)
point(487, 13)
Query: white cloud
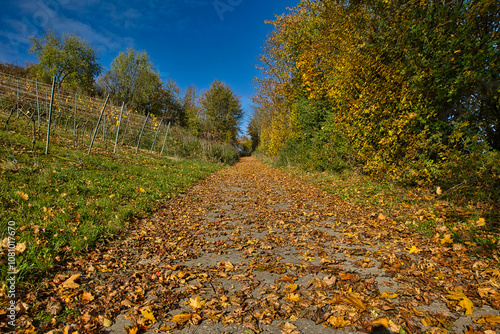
point(35, 16)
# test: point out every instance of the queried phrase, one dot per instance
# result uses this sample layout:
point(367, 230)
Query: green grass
point(65, 202)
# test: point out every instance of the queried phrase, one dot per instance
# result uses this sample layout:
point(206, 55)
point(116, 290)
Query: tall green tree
point(132, 80)
point(68, 58)
point(222, 110)
point(191, 109)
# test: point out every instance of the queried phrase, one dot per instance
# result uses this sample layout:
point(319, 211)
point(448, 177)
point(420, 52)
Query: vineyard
point(76, 115)
point(85, 122)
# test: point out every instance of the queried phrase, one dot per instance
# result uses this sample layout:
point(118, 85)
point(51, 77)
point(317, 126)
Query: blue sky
point(190, 41)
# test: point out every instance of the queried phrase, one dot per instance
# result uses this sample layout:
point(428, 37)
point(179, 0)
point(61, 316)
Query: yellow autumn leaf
point(480, 223)
point(148, 316)
point(414, 250)
point(491, 319)
point(458, 294)
point(22, 195)
point(447, 239)
point(388, 296)
point(381, 321)
point(466, 303)
point(427, 322)
point(228, 266)
point(181, 318)
point(196, 303)
point(294, 297)
point(131, 329)
point(141, 189)
point(290, 288)
point(107, 323)
point(338, 322)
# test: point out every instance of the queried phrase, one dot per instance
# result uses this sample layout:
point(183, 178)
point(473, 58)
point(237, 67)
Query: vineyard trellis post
point(165, 140)
point(37, 104)
point(140, 136)
point(118, 130)
point(97, 125)
point(104, 132)
point(17, 102)
point(50, 115)
point(156, 134)
point(74, 123)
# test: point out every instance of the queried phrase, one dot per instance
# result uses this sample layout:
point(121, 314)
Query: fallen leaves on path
point(251, 249)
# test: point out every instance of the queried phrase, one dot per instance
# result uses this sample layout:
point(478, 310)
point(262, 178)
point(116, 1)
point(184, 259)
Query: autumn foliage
point(407, 90)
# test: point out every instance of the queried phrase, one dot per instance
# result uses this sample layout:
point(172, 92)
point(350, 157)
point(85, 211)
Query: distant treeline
point(73, 64)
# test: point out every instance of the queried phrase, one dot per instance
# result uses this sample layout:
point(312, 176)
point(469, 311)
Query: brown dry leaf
point(329, 280)
point(53, 307)
point(439, 191)
point(354, 300)
point(20, 247)
point(86, 297)
point(126, 303)
point(320, 315)
point(70, 282)
point(344, 276)
point(289, 328)
point(287, 279)
point(181, 318)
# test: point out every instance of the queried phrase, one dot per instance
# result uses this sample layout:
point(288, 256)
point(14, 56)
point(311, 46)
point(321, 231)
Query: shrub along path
point(252, 249)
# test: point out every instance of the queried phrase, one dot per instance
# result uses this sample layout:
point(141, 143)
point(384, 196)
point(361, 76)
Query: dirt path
point(251, 249)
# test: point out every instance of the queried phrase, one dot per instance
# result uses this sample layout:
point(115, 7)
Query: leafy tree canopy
point(67, 58)
point(222, 111)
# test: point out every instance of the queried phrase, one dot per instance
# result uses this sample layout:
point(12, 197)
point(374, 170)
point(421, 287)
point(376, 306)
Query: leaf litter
point(253, 250)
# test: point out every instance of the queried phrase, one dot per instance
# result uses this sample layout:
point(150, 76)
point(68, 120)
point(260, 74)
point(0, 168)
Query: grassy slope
point(65, 202)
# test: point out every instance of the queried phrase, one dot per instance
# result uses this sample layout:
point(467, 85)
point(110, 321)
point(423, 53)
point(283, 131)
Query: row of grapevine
point(78, 116)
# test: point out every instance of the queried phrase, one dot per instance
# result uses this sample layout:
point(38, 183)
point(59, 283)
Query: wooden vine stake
point(140, 136)
point(50, 115)
point(118, 130)
point(97, 125)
